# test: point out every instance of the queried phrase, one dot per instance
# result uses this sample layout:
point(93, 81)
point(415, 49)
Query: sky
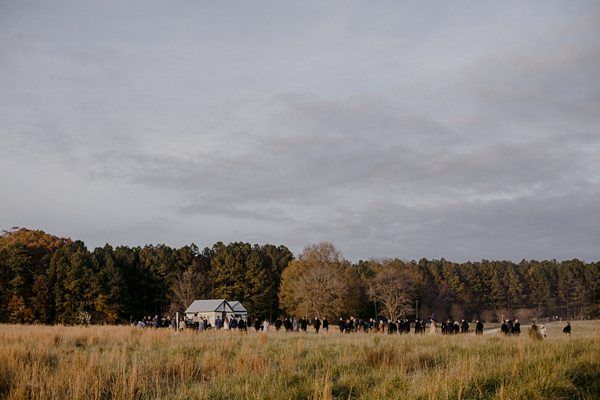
point(464, 130)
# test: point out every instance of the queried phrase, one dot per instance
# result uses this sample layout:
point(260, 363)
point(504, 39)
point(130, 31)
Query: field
point(56, 362)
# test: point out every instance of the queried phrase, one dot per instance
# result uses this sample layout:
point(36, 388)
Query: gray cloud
point(390, 130)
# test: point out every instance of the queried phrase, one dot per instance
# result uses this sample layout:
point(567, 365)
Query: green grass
point(41, 362)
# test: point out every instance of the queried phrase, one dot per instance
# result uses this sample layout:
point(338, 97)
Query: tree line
point(50, 280)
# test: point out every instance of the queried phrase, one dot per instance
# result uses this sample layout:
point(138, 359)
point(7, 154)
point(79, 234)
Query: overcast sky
point(391, 129)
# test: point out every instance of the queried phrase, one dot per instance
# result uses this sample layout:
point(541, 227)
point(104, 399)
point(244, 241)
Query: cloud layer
point(391, 130)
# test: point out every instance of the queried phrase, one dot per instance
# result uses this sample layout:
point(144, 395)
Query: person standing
point(455, 328)
point(350, 325)
point(517, 328)
point(417, 326)
point(433, 328)
point(464, 327)
point(567, 329)
point(303, 324)
point(479, 328)
point(392, 328)
point(504, 327)
point(317, 324)
point(242, 325)
point(325, 325)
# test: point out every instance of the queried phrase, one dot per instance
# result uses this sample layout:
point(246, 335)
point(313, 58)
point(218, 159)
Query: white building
point(215, 308)
point(239, 310)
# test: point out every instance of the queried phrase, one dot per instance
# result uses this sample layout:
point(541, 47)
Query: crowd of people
point(510, 327)
point(301, 324)
point(400, 326)
point(346, 326)
point(156, 322)
point(450, 327)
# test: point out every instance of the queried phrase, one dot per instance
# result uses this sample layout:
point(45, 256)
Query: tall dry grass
point(41, 362)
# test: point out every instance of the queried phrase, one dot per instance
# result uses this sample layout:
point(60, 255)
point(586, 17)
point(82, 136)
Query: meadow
point(121, 362)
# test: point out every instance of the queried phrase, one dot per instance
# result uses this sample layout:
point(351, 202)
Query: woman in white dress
point(433, 328)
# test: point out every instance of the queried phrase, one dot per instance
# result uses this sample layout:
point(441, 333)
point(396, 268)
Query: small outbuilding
point(239, 311)
point(215, 308)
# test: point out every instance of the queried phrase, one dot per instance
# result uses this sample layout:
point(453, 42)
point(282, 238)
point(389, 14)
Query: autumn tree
point(320, 283)
point(24, 290)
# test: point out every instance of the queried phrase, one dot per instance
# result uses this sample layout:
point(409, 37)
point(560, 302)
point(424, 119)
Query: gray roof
point(213, 305)
point(237, 307)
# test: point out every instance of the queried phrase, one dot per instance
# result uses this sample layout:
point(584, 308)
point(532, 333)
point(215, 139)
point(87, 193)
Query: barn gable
point(208, 306)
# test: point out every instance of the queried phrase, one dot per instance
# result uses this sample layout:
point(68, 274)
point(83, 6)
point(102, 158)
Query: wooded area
point(47, 279)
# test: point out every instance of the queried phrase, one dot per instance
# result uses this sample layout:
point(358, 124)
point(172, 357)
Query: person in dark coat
point(479, 328)
point(303, 324)
point(464, 327)
point(342, 325)
point(325, 325)
point(417, 326)
point(392, 328)
point(317, 324)
point(567, 329)
point(360, 324)
point(365, 326)
point(504, 327)
point(257, 324)
point(516, 328)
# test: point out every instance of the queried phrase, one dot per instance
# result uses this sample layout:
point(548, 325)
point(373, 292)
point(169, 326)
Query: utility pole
point(417, 308)
point(374, 300)
point(375, 305)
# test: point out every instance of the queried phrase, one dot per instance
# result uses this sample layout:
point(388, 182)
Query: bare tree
point(189, 286)
point(394, 287)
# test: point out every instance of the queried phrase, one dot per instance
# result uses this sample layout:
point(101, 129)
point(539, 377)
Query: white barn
point(239, 310)
point(215, 308)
